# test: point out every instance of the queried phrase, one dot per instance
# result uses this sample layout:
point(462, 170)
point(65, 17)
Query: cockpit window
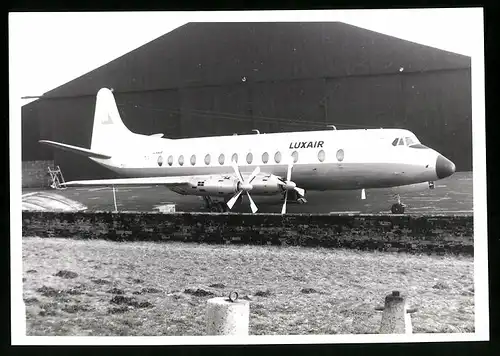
point(405, 141)
point(410, 141)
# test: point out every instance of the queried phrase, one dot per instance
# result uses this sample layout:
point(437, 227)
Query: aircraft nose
point(444, 167)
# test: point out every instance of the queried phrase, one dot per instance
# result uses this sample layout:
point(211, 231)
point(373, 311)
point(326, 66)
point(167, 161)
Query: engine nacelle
point(267, 185)
point(217, 186)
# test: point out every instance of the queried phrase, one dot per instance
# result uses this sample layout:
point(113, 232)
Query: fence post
point(228, 316)
point(396, 318)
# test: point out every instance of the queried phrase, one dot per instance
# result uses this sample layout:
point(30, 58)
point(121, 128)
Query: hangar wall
point(274, 77)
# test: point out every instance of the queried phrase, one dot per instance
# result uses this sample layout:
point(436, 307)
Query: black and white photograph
point(248, 177)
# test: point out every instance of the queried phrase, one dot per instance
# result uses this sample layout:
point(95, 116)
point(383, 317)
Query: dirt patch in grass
point(100, 281)
point(48, 291)
point(73, 291)
point(198, 292)
point(308, 290)
point(66, 274)
point(122, 300)
point(29, 301)
point(349, 285)
point(135, 280)
point(217, 285)
point(266, 293)
point(150, 290)
point(116, 291)
point(119, 310)
point(441, 285)
point(75, 308)
point(119, 299)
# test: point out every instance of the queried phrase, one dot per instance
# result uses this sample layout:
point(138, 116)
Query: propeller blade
point(301, 191)
point(252, 204)
point(237, 171)
point(289, 173)
point(283, 209)
point(233, 200)
point(253, 175)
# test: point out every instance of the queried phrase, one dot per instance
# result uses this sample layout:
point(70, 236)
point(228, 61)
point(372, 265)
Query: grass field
point(108, 288)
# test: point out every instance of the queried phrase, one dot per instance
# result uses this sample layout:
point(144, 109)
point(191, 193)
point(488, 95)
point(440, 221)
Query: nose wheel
point(399, 207)
point(293, 196)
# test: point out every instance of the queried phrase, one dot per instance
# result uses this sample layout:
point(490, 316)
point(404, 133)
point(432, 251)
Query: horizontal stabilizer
point(167, 181)
point(82, 151)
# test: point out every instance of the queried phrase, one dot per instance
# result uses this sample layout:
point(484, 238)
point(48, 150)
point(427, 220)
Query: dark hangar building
point(205, 79)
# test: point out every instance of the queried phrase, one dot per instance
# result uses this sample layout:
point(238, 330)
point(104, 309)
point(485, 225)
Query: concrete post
point(114, 199)
point(395, 317)
point(228, 316)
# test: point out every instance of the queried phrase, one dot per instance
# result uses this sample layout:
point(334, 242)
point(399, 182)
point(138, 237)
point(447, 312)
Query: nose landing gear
point(293, 196)
point(398, 208)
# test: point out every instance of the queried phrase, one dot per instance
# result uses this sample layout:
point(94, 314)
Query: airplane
point(222, 169)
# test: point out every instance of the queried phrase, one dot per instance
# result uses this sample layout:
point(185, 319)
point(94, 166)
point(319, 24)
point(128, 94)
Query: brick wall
point(35, 174)
point(438, 233)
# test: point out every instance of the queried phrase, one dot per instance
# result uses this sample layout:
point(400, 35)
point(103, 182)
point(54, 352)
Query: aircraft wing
point(167, 181)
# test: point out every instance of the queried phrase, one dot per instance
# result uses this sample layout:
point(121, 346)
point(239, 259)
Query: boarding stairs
point(56, 178)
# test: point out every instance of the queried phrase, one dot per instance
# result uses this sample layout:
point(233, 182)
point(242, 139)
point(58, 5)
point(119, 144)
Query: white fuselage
point(336, 159)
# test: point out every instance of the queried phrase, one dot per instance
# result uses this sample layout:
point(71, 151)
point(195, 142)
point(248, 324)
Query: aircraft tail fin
point(109, 129)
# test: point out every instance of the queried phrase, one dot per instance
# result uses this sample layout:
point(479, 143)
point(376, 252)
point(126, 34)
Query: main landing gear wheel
point(215, 206)
point(219, 207)
point(397, 208)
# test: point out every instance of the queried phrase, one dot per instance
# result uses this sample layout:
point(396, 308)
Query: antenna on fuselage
point(255, 130)
point(332, 126)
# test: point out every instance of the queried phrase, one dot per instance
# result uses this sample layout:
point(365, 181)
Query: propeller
point(289, 185)
point(244, 186)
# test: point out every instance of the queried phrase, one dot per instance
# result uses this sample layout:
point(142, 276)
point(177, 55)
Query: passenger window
point(193, 160)
point(207, 159)
point(265, 157)
point(395, 142)
point(170, 160)
point(295, 156)
point(181, 160)
point(340, 155)
point(249, 158)
point(221, 159)
point(235, 158)
point(277, 157)
point(321, 156)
